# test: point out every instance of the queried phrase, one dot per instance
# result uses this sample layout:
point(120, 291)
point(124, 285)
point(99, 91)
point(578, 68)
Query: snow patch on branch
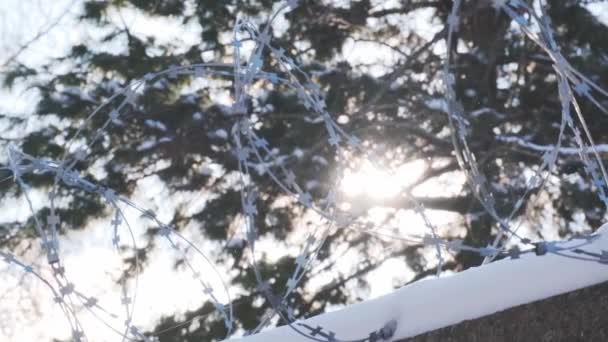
point(600, 148)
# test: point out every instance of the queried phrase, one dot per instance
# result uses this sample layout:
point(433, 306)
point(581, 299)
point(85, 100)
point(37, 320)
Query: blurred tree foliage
point(504, 81)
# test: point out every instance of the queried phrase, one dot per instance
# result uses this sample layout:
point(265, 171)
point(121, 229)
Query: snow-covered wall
point(435, 303)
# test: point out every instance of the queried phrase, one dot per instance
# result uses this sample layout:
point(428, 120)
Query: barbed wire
point(254, 154)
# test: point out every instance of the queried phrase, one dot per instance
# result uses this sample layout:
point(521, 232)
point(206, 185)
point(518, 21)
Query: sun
point(369, 180)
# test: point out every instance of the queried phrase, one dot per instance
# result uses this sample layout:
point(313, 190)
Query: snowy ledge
point(431, 304)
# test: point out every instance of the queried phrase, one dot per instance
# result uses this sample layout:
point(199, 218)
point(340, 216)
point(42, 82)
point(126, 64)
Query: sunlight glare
point(371, 181)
